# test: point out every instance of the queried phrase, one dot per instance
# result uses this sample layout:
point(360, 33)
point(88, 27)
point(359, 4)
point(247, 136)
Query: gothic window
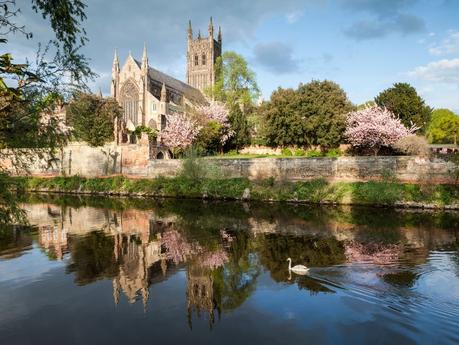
point(196, 60)
point(163, 122)
point(203, 59)
point(129, 99)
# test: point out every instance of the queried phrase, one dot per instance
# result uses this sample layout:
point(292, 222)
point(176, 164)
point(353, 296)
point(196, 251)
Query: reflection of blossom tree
point(178, 249)
point(214, 259)
point(377, 253)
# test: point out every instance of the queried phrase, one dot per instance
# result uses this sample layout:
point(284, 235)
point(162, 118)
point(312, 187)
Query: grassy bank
point(384, 193)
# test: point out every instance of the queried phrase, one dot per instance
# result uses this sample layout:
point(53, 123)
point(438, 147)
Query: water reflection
point(228, 250)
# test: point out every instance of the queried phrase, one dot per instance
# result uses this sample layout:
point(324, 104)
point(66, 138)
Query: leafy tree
point(240, 128)
point(235, 83)
point(208, 139)
point(403, 100)
point(373, 128)
point(314, 114)
point(30, 92)
point(93, 118)
point(444, 127)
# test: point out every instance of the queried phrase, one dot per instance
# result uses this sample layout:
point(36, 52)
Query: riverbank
point(388, 193)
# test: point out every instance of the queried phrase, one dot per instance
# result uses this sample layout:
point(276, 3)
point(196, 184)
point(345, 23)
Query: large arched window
point(129, 99)
point(203, 59)
point(196, 60)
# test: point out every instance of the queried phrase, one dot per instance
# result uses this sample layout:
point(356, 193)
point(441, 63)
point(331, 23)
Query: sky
point(363, 45)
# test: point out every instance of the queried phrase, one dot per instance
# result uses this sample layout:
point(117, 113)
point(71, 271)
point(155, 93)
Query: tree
point(93, 117)
point(314, 114)
point(403, 100)
point(240, 128)
point(235, 82)
point(30, 92)
point(373, 128)
point(179, 133)
point(216, 127)
point(444, 127)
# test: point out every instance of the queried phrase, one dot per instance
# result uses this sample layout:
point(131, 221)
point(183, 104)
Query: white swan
point(298, 269)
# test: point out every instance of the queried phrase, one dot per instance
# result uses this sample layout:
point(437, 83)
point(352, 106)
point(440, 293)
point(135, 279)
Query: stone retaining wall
point(133, 160)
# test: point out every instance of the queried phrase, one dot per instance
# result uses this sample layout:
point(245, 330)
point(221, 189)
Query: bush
point(413, 145)
point(314, 153)
point(333, 153)
point(287, 152)
point(300, 152)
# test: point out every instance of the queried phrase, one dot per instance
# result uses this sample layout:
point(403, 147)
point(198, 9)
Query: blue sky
point(364, 45)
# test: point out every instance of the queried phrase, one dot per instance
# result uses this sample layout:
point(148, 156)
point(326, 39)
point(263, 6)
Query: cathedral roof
point(176, 85)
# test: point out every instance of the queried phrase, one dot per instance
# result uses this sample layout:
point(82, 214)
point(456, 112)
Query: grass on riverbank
point(314, 191)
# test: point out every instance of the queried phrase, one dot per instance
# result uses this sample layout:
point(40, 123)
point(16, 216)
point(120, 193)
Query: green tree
point(235, 82)
point(314, 114)
point(92, 118)
point(443, 127)
point(30, 92)
point(208, 139)
point(403, 100)
point(240, 126)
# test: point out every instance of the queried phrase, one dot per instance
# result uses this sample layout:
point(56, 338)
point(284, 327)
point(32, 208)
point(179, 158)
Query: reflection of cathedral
point(53, 238)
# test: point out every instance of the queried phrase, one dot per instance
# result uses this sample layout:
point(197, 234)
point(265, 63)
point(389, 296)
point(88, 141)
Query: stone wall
point(133, 160)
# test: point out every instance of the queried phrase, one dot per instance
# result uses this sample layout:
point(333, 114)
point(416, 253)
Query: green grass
point(384, 193)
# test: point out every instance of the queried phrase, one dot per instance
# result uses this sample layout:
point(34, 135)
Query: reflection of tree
point(373, 252)
point(14, 240)
point(401, 279)
point(92, 257)
point(274, 250)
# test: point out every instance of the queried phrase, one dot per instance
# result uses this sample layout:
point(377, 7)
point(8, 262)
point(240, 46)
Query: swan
point(298, 269)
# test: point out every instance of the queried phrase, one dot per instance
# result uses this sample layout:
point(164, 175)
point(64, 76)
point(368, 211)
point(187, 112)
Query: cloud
point(383, 18)
point(442, 71)
point(293, 17)
point(126, 26)
point(276, 57)
point(449, 45)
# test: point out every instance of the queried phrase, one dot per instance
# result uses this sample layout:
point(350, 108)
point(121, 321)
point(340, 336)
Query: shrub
point(287, 152)
point(300, 152)
point(413, 145)
point(333, 153)
point(314, 153)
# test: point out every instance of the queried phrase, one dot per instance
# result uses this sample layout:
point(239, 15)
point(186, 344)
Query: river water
point(119, 271)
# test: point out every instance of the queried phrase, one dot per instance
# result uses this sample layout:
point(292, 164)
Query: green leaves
point(403, 100)
point(444, 127)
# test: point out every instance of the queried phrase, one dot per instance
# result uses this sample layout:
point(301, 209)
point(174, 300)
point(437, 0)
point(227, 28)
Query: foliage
point(93, 118)
point(216, 127)
point(385, 192)
point(150, 132)
point(235, 81)
point(239, 127)
point(314, 114)
point(413, 145)
point(403, 100)
point(179, 133)
point(300, 152)
point(286, 152)
point(30, 92)
point(314, 153)
point(373, 128)
point(443, 127)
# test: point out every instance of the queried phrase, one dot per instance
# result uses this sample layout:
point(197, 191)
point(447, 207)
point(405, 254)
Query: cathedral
point(148, 95)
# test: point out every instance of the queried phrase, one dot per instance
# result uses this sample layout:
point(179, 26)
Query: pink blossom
point(180, 131)
point(217, 111)
point(214, 259)
point(375, 127)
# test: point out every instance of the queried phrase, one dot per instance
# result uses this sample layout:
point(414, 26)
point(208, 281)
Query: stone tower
point(202, 53)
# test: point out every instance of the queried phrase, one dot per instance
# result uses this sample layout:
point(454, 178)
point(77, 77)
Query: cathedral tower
point(202, 53)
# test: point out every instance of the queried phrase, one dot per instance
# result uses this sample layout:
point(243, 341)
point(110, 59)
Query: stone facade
point(202, 53)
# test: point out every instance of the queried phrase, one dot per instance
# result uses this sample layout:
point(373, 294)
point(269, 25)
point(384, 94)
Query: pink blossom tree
point(375, 127)
point(179, 133)
point(217, 111)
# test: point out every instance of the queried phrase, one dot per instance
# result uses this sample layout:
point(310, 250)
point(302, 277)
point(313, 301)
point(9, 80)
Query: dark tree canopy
point(240, 126)
point(313, 114)
point(403, 100)
point(93, 118)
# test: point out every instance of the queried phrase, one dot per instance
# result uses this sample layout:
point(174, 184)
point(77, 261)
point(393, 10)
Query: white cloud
point(442, 71)
point(449, 45)
point(293, 17)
